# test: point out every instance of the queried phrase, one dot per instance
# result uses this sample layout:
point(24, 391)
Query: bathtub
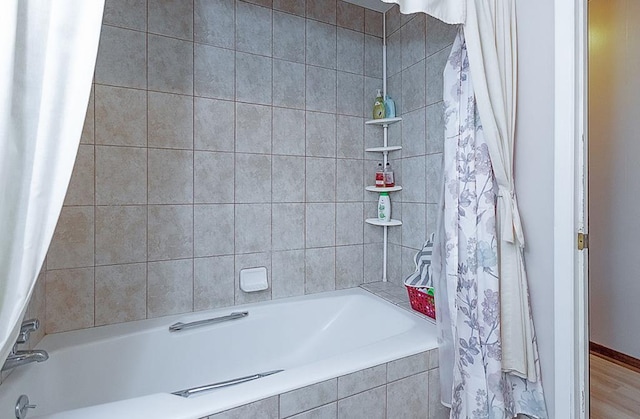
point(131, 370)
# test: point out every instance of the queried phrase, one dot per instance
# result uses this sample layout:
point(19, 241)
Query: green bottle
point(378, 107)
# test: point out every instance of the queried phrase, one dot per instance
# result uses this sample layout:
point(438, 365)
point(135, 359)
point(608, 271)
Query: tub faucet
point(16, 357)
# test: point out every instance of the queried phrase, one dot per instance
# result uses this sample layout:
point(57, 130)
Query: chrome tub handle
point(176, 327)
point(196, 390)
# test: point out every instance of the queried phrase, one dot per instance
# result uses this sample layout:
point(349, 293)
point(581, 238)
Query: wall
point(534, 170)
point(614, 62)
point(220, 135)
point(417, 50)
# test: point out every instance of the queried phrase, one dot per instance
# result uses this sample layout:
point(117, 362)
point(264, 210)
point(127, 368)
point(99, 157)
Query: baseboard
point(615, 356)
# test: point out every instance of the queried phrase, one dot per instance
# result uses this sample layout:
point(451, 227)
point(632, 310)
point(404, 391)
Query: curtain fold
point(467, 266)
point(47, 59)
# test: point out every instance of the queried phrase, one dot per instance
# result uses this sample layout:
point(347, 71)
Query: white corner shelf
point(388, 189)
point(383, 149)
point(377, 222)
point(383, 121)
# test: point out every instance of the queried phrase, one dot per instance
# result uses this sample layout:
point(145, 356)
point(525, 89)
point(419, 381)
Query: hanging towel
point(422, 277)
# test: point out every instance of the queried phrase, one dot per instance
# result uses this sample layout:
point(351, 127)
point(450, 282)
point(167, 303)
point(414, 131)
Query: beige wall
point(614, 107)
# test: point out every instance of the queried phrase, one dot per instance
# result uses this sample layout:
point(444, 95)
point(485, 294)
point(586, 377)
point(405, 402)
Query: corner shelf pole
point(384, 254)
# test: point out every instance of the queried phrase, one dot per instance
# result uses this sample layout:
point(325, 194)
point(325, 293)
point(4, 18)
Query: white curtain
point(47, 58)
point(466, 265)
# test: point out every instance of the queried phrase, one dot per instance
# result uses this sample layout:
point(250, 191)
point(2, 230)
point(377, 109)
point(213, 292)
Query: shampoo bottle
point(378, 107)
point(384, 207)
point(389, 107)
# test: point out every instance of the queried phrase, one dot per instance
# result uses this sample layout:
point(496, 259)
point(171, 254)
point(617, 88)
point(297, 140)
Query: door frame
point(570, 275)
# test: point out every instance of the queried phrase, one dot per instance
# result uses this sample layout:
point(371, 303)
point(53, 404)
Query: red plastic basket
point(422, 302)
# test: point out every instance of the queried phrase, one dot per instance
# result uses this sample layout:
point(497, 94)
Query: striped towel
point(421, 278)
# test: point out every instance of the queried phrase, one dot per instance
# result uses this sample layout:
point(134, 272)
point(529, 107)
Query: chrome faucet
point(16, 357)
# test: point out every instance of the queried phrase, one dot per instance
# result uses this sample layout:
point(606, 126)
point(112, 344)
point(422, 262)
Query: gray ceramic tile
point(350, 51)
point(413, 227)
point(170, 66)
point(322, 10)
point(394, 89)
point(88, 128)
point(393, 19)
point(213, 282)
point(253, 128)
point(413, 90)
point(122, 58)
point(436, 409)
point(121, 234)
point(407, 398)
point(413, 41)
point(253, 29)
point(350, 183)
point(432, 216)
point(288, 131)
point(214, 72)
point(253, 78)
point(130, 14)
point(213, 230)
point(288, 273)
point(349, 266)
point(266, 3)
point(394, 268)
point(372, 261)
point(435, 128)
point(171, 18)
point(320, 225)
point(349, 223)
point(288, 179)
point(120, 116)
point(121, 175)
point(170, 287)
point(394, 53)
point(69, 299)
point(362, 380)
point(350, 137)
point(439, 35)
point(368, 405)
point(413, 179)
point(407, 257)
point(247, 261)
point(288, 226)
point(321, 44)
point(371, 86)
point(434, 67)
point(170, 232)
point(413, 133)
point(253, 178)
point(265, 408)
point(72, 243)
point(288, 84)
point(320, 89)
point(433, 178)
point(320, 179)
point(288, 37)
point(349, 15)
point(350, 94)
point(320, 267)
point(295, 7)
point(372, 22)
point(214, 22)
point(320, 134)
point(170, 121)
point(328, 411)
point(214, 125)
point(120, 293)
point(308, 397)
point(213, 177)
point(410, 365)
point(372, 56)
point(253, 229)
point(81, 189)
point(170, 176)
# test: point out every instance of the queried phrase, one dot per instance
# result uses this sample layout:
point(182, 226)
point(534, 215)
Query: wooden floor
point(615, 390)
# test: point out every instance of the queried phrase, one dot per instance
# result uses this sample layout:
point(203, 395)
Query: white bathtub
point(130, 370)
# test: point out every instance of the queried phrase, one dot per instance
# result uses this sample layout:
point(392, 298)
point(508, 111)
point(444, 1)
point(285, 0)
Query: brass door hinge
point(583, 241)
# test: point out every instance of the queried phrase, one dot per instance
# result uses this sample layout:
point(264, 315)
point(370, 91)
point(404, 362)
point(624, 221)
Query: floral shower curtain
point(466, 267)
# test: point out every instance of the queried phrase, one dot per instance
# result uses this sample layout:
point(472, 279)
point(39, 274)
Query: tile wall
point(220, 135)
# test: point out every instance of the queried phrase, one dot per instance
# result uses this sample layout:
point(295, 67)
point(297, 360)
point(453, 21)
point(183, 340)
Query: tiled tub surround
point(344, 353)
point(220, 135)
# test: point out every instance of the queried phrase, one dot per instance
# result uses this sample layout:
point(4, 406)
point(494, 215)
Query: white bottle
point(384, 207)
